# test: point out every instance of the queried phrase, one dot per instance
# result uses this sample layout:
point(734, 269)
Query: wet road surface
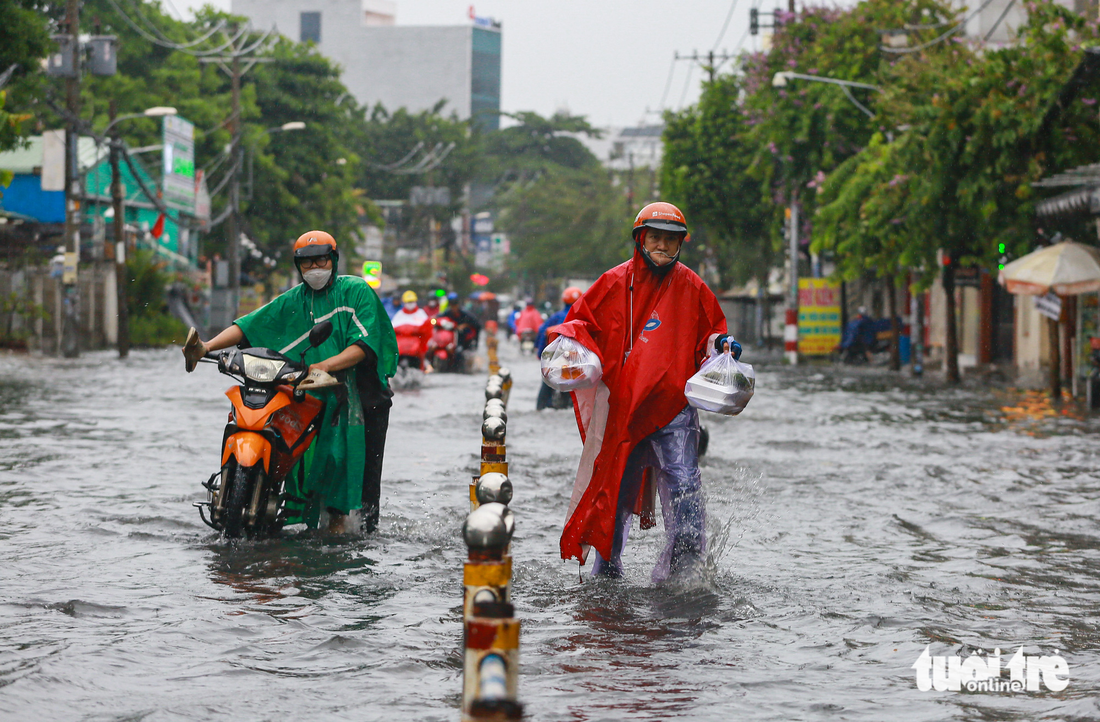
point(851, 523)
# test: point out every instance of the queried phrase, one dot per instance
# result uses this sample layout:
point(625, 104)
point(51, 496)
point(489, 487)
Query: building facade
point(412, 67)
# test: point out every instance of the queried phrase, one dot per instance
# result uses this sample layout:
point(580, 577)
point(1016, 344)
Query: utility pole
point(122, 276)
point(790, 331)
point(711, 68)
point(233, 223)
point(69, 343)
point(236, 64)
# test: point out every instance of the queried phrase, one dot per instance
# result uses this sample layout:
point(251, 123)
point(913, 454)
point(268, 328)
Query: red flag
point(158, 227)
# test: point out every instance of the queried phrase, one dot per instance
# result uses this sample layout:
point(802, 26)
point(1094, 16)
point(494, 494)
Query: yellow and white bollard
point(506, 382)
point(491, 632)
point(494, 452)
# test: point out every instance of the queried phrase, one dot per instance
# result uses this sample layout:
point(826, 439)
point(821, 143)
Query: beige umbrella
point(1066, 269)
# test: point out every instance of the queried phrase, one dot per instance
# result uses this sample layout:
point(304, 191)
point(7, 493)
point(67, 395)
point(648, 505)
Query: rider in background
point(413, 320)
point(342, 469)
point(467, 327)
point(568, 297)
point(529, 319)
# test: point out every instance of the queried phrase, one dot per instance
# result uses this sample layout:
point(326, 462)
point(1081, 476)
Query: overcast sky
point(608, 60)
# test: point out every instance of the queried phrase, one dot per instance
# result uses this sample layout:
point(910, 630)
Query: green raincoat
point(331, 473)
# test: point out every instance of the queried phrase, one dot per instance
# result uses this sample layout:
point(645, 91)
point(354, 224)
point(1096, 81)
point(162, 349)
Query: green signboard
point(179, 164)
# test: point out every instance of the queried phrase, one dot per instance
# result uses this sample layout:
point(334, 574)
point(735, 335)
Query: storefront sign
point(818, 316)
point(1049, 305)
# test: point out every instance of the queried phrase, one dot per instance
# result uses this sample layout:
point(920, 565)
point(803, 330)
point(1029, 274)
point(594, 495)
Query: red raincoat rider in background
point(652, 322)
point(529, 319)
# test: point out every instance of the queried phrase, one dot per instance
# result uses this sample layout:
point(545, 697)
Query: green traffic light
point(1000, 248)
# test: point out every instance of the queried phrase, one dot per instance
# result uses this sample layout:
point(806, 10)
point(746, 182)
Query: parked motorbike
point(272, 423)
point(443, 345)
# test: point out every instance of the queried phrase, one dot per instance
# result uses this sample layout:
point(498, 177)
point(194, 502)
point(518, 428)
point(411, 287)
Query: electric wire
point(435, 164)
point(917, 48)
point(687, 84)
point(403, 161)
point(668, 82)
point(182, 47)
point(725, 25)
point(1004, 14)
point(136, 7)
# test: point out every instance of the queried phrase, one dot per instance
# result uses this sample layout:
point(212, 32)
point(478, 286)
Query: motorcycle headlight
point(261, 369)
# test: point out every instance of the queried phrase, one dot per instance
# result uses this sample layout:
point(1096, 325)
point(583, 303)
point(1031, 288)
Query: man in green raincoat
point(342, 470)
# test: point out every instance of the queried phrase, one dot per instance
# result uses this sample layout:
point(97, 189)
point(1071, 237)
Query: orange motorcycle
point(272, 423)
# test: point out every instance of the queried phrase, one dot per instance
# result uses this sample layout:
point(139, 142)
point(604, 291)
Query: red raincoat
point(674, 320)
point(529, 320)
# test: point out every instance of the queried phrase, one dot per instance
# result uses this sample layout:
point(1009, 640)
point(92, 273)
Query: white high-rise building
point(411, 67)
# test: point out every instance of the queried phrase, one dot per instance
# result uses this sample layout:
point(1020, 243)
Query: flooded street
point(852, 523)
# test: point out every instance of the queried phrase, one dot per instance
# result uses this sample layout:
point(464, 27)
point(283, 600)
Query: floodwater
point(853, 524)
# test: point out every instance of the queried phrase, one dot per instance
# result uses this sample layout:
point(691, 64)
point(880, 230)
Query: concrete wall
point(98, 308)
point(399, 66)
point(1032, 343)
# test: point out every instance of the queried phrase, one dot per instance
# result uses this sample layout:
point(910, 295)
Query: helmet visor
point(663, 225)
point(313, 250)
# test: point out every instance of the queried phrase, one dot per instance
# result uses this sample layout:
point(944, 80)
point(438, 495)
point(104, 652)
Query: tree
point(562, 212)
point(24, 40)
point(568, 222)
point(707, 172)
point(958, 178)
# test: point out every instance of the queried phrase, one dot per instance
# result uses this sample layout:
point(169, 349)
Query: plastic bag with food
point(569, 366)
point(723, 385)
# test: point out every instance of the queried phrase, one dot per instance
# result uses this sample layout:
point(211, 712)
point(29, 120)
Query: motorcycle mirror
point(320, 333)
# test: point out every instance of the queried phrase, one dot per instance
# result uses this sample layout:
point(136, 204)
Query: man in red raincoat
point(652, 322)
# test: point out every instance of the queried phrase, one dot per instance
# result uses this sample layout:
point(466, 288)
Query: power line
point(687, 84)
point(181, 47)
point(917, 48)
point(997, 24)
point(668, 82)
point(729, 15)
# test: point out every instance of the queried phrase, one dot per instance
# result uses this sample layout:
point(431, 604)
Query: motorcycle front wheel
point(237, 501)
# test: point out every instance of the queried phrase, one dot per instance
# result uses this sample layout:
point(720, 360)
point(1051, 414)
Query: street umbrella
point(1065, 269)
point(479, 279)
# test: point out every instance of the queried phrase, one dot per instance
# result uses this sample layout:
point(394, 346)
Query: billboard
point(818, 316)
point(179, 164)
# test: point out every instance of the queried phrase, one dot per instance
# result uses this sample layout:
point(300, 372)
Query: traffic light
point(754, 21)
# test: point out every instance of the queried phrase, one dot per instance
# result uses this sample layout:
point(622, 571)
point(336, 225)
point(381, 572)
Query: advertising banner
point(372, 272)
point(179, 164)
point(818, 316)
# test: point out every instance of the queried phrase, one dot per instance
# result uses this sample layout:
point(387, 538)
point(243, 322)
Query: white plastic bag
point(569, 366)
point(723, 385)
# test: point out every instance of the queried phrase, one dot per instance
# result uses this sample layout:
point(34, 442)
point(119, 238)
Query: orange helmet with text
point(662, 216)
point(313, 244)
point(570, 295)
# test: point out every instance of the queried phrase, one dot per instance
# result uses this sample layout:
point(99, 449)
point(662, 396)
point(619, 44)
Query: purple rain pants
point(673, 452)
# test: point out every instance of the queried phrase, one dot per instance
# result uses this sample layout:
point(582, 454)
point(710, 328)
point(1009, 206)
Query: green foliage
point(958, 177)
point(568, 222)
point(535, 144)
point(562, 213)
point(384, 139)
point(707, 172)
point(150, 323)
point(15, 307)
point(24, 40)
point(145, 296)
point(157, 330)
